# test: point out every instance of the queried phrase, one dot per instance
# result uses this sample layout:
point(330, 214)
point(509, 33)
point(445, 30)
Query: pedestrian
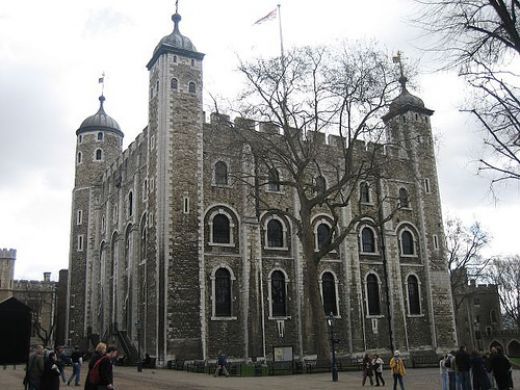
point(501, 367)
point(377, 366)
point(61, 361)
point(367, 370)
point(398, 369)
point(35, 368)
point(106, 376)
point(221, 365)
point(463, 361)
point(487, 362)
point(77, 361)
point(479, 372)
point(101, 348)
point(445, 381)
point(51, 373)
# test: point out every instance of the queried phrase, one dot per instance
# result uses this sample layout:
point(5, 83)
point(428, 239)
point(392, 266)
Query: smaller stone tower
point(99, 142)
point(7, 259)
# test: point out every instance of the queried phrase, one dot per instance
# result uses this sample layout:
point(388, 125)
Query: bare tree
point(481, 38)
point(464, 246)
point(298, 99)
point(505, 272)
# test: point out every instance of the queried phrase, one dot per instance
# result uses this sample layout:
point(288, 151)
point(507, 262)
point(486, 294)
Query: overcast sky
point(52, 53)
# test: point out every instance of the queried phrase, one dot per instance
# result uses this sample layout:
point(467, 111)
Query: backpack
point(94, 376)
point(447, 362)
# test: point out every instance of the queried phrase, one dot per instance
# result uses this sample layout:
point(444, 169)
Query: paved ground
point(129, 379)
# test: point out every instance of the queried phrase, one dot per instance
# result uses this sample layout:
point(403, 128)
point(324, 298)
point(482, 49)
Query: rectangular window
point(152, 142)
point(426, 183)
point(79, 217)
point(80, 242)
point(185, 204)
point(145, 189)
point(435, 242)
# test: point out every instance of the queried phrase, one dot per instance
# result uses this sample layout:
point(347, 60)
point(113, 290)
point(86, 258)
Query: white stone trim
point(370, 197)
point(360, 240)
point(214, 317)
point(226, 161)
point(419, 288)
point(315, 222)
point(414, 243)
point(365, 284)
point(268, 219)
point(216, 212)
point(269, 296)
point(336, 284)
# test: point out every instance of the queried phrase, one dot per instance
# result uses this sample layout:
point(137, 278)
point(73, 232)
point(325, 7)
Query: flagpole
point(280, 27)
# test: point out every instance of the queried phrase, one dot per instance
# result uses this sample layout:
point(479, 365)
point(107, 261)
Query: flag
point(101, 79)
point(270, 16)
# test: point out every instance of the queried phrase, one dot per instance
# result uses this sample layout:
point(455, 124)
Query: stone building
point(168, 253)
point(40, 296)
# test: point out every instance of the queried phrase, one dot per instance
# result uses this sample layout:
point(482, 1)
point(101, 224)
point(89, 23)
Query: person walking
point(367, 370)
point(61, 361)
point(398, 369)
point(77, 361)
point(444, 373)
point(51, 373)
point(35, 369)
point(463, 361)
point(221, 365)
point(377, 365)
point(449, 363)
point(501, 367)
point(479, 372)
point(101, 348)
point(106, 376)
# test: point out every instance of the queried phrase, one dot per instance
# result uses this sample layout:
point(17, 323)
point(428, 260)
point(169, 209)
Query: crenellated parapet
point(7, 254)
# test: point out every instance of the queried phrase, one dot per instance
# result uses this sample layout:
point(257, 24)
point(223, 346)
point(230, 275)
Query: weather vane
point(398, 59)
point(101, 81)
point(176, 6)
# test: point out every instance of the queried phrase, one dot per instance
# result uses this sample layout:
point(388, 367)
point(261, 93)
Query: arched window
point(275, 234)
point(221, 229)
point(414, 302)
point(403, 198)
point(79, 157)
point(323, 235)
point(100, 136)
point(130, 203)
point(374, 308)
point(221, 173)
point(328, 288)
point(368, 244)
point(274, 181)
point(364, 193)
point(174, 84)
point(278, 294)
point(320, 184)
point(222, 293)
point(99, 154)
point(191, 87)
point(407, 243)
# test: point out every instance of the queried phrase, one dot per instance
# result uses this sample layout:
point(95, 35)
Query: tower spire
point(398, 59)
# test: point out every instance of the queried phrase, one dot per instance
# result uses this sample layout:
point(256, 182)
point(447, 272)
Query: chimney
point(46, 276)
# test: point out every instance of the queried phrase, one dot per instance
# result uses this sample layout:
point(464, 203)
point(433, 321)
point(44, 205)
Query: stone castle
point(169, 254)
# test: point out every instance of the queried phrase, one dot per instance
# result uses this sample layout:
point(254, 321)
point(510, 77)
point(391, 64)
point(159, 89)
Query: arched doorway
point(513, 349)
point(496, 344)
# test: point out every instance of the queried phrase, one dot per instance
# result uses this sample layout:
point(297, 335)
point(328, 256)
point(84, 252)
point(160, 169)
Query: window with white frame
point(372, 295)
point(435, 242)
point(274, 181)
point(407, 243)
point(191, 87)
point(414, 299)
point(80, 242)
point(221, 228)
point(323, 235)
point(368, 240)
point(278, 294)
point(79, 217)
point(99, 155)
point(403, 198)
point(100, 136)
point(222, 292)
point(174, 84)
point(186, 204)
point(275, 233)
point(328, 292)
point(364, 192)
point(426, 184)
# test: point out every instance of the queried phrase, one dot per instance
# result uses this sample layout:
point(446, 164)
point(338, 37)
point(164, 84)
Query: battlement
point(7, 254)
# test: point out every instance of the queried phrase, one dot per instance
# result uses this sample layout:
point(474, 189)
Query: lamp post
point(333, 342)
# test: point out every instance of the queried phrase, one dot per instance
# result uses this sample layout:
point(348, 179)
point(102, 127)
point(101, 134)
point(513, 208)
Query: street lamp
point(333, 342)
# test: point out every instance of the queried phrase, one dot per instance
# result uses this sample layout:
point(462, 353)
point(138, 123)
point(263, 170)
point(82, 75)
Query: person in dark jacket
point(77, 361)
point(463, 362)
point(35, 368)
point(105, 369)
point(479, 372)
point(101, 348)
point(501, 367)
point(367, 370)
point(221, 365)
point(51, 374)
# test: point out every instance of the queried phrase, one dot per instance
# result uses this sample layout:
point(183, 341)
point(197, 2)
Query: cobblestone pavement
point(127, 378)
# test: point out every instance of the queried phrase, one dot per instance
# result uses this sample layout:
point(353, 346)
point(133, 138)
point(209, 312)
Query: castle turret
point(7, 259)
point(175, 131)
point(99, 142)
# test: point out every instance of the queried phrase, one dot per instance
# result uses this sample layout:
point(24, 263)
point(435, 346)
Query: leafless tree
point(464, 246)
point(299, 98)
point(481, 38)
point(505, 272)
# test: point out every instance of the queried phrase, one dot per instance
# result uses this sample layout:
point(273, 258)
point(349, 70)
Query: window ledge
point(375, 316)
point(366, 204)
point(405, 208)
point(230, 245)
point(415, 315)
point(275, 192)
point(410, 256)
point(276, 248)
point(214, 318)
point(279, 318)
point(221, 185)
point(369, 253)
